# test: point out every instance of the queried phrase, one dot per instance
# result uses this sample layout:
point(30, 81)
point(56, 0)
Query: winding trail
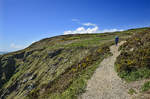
point(105, 83)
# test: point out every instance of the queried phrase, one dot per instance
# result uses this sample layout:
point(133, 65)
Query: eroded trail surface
point(105, 83)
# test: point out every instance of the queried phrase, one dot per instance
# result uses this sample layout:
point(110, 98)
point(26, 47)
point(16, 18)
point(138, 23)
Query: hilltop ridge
point(56, 67)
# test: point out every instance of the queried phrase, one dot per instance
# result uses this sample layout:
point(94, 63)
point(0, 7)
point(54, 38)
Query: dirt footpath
point(105, 84)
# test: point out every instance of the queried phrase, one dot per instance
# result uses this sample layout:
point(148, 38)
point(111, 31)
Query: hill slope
point(1, 53)
point(56, 67)
point(105, 83)
point(133, 64)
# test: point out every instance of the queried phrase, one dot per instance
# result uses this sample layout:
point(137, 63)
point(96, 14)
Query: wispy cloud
point(2, 50)
point(16, 47)
point(89, 24)
point(90, 28)
point(110, 30)
point(75, 20)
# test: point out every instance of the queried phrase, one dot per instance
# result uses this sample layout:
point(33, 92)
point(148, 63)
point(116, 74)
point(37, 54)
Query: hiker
point(116, 40)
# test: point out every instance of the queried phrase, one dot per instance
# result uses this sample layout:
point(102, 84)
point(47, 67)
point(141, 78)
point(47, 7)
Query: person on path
point(116, 40)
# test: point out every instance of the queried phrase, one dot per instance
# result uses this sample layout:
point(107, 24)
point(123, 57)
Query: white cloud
point(33, 42)
point(92, 28)
point(89, 24)
point(75, 20)
point(2, 50)
point(16, 47)
point(110, 30)
point(82, 30)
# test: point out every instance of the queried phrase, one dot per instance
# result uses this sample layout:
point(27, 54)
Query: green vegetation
point(133, 62)
point(132, 91)
point(145, 87)
point(76, 77)
point(139, 74)
point(57, 67)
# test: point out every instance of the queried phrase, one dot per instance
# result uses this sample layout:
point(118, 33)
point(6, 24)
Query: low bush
point(133, 62)
point(145, 87)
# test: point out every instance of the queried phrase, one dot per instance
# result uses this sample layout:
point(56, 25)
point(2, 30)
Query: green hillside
point(134, 60)
point(133, 64)
point(59, 67)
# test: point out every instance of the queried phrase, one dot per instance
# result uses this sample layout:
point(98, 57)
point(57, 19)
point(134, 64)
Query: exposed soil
point(105, 83)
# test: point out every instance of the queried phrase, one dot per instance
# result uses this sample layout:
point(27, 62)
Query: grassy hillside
point(134, 60)
point(57, 67)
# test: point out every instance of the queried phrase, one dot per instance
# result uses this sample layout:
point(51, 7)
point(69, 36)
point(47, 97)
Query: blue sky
point(25, 21)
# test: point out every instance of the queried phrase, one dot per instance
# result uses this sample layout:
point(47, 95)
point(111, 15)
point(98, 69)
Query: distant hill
point(3, 53)
point(57, 67)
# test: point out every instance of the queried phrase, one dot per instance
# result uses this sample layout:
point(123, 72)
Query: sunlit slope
point(134, 60)
point(55, 67)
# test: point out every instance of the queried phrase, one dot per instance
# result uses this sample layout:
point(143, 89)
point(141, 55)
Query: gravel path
point(105, 84)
